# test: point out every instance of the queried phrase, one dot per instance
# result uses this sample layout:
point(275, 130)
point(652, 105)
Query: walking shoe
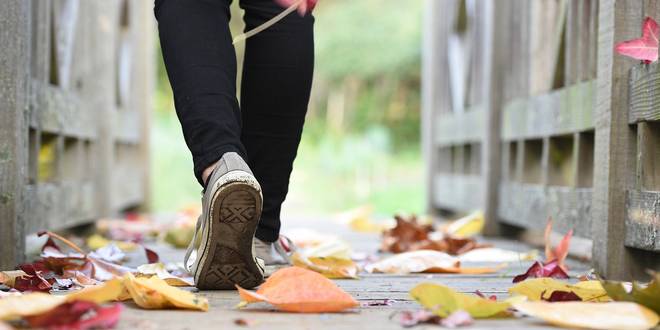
point(274, 255)
point(221, 253)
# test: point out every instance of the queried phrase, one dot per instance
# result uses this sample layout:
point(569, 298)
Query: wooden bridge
point(528, 113)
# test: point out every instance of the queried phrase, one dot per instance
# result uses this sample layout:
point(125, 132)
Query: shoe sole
point(227, 258)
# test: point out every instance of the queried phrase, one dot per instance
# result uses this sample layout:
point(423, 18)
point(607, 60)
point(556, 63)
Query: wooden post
point(14, 68)
point(615, 141)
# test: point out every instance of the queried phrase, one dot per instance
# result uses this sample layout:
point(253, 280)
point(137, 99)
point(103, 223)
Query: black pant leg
point(201, 65)
point(276, 84)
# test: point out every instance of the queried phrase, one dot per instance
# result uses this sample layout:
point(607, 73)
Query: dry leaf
point(97, 241)
point(8, 278)
point(335, 248)
point(154, 293)
point(468, 226)
point(497, 255)
point(560, 252)
point(444, 301)
point(647, 295)
point(160, 270)
point(78, 315)
point(14, 307)
point(111, 290)
point(296, 289)
point(330, 267)
point(542, 288)
point(614, 315)
point(414, 262)
point(550, 269)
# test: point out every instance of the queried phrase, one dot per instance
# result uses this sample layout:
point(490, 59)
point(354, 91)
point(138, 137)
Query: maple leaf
point(644, 48)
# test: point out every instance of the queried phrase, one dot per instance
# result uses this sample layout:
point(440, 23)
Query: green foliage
point(368, 38)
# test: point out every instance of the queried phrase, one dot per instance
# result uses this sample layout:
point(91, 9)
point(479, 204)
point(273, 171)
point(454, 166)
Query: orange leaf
point(299, 290)
point(560, 252)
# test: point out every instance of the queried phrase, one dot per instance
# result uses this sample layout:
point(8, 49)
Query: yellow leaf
point(468, 226)
point(613, 315)
point(443, 301)
point(154, 293)
point(97, 241)
point(591, 291)
point(108, 291)
point(329, 267)
point(14, 307)
point(335, 248)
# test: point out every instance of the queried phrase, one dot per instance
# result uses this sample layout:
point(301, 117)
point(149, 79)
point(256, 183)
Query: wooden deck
point(369, 288)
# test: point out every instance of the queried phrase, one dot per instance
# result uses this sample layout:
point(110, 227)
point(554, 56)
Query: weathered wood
point(458, 192)
point(648, 156)
point(460, 127)
point(644, 93)
point(615, 141)
point(60, 112)
point(14, 65)
point(564, 111)
point(548, 19)
point(529, 206)
point(643, 220)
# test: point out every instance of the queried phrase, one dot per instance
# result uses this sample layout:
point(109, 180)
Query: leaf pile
point(410, 235)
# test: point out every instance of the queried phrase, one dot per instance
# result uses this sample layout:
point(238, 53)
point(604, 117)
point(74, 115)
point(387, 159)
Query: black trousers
point(275, 89)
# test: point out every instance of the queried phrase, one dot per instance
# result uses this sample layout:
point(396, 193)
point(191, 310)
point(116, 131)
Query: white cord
point(267, 24)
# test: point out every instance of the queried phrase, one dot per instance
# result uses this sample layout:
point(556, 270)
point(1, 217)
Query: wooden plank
point(644, 93)
point(128, 126)
point(14, 61)
point(615, 142)
point(435, 89)
point(60, 205)
point(548, 17)
point(460, 127)
point(648, 157)
point(41, 38)
point(643, 220)
point(58, 111)
point(564, 111)
point(459, 193)
point(529, 206)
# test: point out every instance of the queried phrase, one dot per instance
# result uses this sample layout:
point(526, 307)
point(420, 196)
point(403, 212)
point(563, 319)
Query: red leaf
point(35, 279)
point(561, 296)
point(644, 48)
point(152, 256)
point(550, 269)
point(77, 315)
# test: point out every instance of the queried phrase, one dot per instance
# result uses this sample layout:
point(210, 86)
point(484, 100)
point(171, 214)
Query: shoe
point(275, 255)
point(221, 253)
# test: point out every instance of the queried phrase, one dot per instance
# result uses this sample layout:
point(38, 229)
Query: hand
point(306, 6)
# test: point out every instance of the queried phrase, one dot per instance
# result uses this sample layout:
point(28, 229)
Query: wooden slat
point(548, 17)
point(41, 38)
point(14, 63)
point(565, 111)
point(644, 93)
point(615, 143)
point(128, 126)
point(529, 206)
point(58, 205)
point(457, 192)
point(643, 220)
point(460, 128)
point(60, 112)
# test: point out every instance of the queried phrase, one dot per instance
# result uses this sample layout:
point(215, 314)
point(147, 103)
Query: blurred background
point(362, 135)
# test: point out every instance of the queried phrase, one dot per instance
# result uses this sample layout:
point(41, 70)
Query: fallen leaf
point(644, 48)
point(15, 307)
point(110, 253)
point(329, 267)
point(152, 256)
point(557, 296)
point(79, 315)
point(111, 290)
point(542, 289)
point(244, 322)
point(8, 278)
point(444, 301)
point(160, 270)
point(180, 237)
point(97, 241)
point(409, 319)
point(560, 252)
point(614, 315)
point(154, 293)
point(335, 248)
point(647, 295)
point(550, 269)
point(468, 226)
point(33, 280)
point(295, 289)
point(456, 319)
point(410, 235)
point(5, 326)
point(414, 262)
point(497, 255)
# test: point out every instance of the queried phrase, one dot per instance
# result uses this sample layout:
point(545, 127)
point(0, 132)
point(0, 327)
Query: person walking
point(243, 152)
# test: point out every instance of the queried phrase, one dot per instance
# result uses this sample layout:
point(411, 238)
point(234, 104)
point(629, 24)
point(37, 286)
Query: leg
point(201, 65)
point(277, 79)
